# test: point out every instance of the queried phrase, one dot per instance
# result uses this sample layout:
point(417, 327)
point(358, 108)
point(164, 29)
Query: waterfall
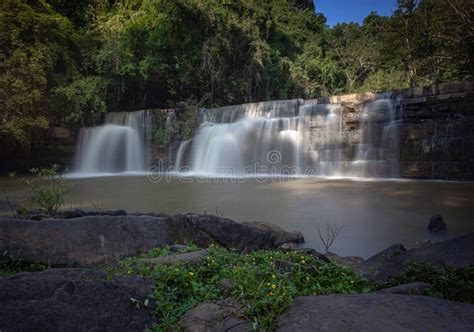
point(120, 145)
point(291, 136)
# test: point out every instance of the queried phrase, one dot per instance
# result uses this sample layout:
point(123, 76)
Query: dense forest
point(63, 63)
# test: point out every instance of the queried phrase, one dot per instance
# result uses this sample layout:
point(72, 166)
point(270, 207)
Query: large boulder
point(281, 235)
point(74, 300)
point(393, 261)
point(82, 241)
point(204, 230)
point(376, 312)
point(104, 239)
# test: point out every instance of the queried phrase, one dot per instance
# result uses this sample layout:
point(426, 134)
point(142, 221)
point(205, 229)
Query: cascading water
point(292, 137)
point(120, 145)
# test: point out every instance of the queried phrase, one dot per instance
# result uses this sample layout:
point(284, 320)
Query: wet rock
point(208, 315)
point(376, 312)
point(437, 224)
point(73, 300)
point(458, 252)
point(412, 288)
point(281, 235)
point(192, 258)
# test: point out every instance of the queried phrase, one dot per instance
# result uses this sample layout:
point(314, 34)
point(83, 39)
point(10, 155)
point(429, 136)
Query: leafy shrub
point(46, 189)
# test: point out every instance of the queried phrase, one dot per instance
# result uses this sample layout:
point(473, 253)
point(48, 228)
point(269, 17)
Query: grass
point(11, 265)
point(263, 290)
point(456, 284)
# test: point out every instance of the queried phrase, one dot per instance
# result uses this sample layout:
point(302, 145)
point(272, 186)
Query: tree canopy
point(65, 62)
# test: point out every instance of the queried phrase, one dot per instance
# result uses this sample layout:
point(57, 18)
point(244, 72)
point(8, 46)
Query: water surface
point(372, 214)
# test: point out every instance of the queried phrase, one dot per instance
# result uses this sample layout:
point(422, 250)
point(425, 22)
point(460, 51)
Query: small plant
point(9, 264)
point(332, 232)
point(46, 189)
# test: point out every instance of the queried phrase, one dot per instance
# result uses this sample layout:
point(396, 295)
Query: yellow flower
point(271, 257)
point(274, 276)
point(302, 257)
point(191, 274)
point(307, 278)
point(274, 286)
point(303, 261)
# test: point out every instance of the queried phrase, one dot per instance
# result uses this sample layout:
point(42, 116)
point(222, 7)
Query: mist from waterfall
point(293, 137)
point(120, 145)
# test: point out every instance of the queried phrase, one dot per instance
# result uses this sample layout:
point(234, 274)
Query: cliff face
point(436, 128)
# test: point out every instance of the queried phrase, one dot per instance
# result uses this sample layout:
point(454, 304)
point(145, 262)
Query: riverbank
point(221, 275)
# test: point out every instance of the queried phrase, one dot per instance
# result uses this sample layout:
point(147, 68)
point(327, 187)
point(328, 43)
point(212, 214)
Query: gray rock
point(74, 300)
point(225, 284)
point(233, 324)
point(208, 315)
point(204, 230)
point(85, 241)
point(376, 312)
point(281, 235)
point(437, 224)
point(412, 288)
point(288, 246)
point(389, 253)
point(458, 252)
point(178, 247)
point(104, 239)
point(346, 261)
point(315, 254)
point(192, 258)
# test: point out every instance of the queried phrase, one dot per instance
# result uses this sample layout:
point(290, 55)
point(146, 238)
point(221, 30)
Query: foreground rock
point(376, 312)
point(104, 239)
point(214, 316)
point(412, 288)
point(393, 261)
point(73, 300)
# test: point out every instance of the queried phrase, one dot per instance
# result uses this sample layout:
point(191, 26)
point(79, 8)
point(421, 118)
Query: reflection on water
point(373, 214)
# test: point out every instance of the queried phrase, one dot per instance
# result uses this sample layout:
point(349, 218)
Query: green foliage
point(63, 63)
point(263, 290)
point(11, 265)
point(46, 189)
point(455, 284)
point(80, 101)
